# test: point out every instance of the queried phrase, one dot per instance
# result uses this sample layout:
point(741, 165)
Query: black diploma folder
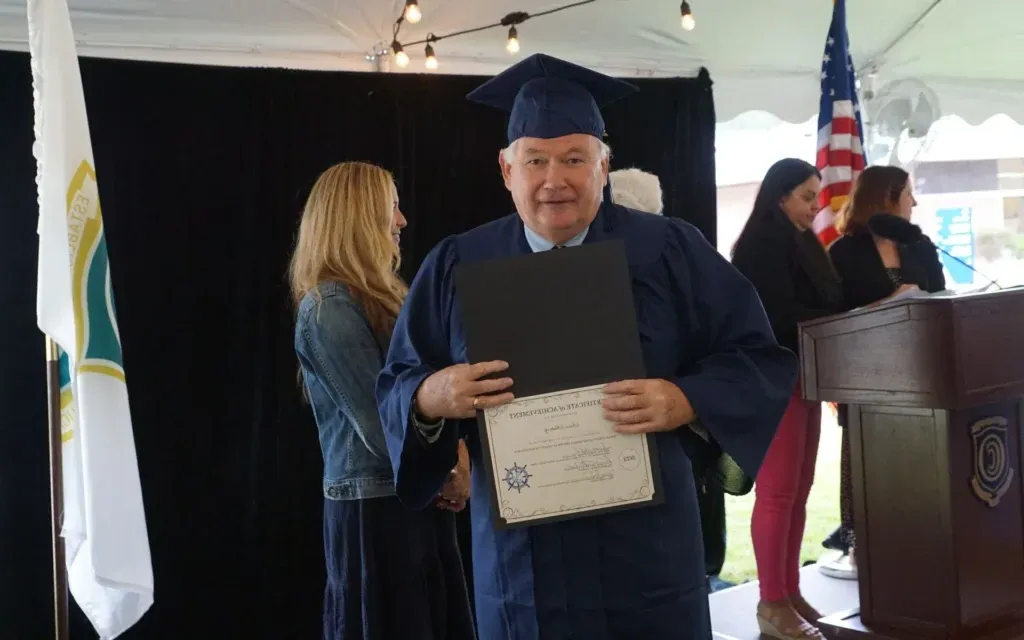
point(563, 319)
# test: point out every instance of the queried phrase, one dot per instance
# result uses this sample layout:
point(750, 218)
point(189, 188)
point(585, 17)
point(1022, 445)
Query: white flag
point(110, 572)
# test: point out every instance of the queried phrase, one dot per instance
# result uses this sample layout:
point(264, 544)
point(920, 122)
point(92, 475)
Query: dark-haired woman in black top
point(783, 258)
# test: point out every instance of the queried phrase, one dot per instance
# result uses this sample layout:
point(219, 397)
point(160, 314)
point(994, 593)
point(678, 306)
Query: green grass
point(822, 510)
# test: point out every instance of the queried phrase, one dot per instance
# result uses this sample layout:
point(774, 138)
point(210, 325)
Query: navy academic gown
point(637, 573)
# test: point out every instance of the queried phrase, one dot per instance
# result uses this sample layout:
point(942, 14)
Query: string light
point(431, 61)
point(686, 16)
point(401, 57)
point(513, 41)
point(411, 13)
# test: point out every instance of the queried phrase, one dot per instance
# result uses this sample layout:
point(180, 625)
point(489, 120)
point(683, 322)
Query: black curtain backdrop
point(203, 172)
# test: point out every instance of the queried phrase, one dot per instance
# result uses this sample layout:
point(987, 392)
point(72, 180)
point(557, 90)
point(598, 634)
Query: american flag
point(840, 132)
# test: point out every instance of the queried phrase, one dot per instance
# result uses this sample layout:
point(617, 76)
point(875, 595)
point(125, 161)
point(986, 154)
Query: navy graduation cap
point(549, 98)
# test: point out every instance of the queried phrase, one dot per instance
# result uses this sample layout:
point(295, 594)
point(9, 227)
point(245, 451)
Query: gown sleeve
point(419, 347)
point(741, 384)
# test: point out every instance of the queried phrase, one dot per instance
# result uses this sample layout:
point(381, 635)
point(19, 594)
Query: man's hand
point(455, 492)
point(457, 391)
point(643, 406)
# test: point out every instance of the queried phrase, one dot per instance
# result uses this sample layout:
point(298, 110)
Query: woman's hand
point(904, 288)
point(455, 492)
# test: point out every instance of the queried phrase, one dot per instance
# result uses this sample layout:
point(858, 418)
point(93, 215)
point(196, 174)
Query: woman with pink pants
point(780, 254)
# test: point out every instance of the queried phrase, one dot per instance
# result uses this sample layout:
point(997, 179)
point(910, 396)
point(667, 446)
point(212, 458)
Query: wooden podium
point(936, 394)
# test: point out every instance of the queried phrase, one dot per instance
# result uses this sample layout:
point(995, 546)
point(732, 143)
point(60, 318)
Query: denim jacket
point(340, 360)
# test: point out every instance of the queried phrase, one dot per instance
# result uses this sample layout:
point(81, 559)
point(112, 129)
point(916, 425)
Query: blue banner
point(956, 236)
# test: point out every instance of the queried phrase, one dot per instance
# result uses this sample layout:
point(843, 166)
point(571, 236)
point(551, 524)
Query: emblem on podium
point(992, 471)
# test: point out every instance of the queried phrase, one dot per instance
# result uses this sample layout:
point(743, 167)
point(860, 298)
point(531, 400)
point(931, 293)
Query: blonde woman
point(391, 572)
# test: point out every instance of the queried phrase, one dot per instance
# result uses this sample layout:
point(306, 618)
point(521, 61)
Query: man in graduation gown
point(709, 352)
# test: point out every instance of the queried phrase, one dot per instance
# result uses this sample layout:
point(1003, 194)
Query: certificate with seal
point(555, 455)
point(565, 322)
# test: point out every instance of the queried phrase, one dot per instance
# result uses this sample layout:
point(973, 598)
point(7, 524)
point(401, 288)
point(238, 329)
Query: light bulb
point(412, 11)
point(513, 41)
point(431, 62)
point(401, 57)
point(687, 16)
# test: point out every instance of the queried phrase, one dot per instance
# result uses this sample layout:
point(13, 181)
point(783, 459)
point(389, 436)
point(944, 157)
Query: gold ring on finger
point(476, 403)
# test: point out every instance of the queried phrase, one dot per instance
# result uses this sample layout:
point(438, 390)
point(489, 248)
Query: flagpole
point(60, 574)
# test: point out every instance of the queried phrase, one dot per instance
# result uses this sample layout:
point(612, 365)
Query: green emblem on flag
point(67, 407)
point(99, 344)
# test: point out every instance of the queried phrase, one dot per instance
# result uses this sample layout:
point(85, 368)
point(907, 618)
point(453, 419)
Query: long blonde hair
point(345, 236)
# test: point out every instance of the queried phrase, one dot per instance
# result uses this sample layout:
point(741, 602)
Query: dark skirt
point(393, 573)
point(846, 533)
point(846, 492)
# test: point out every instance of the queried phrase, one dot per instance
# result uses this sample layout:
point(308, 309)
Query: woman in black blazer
point(783, 258)
point(874, 268)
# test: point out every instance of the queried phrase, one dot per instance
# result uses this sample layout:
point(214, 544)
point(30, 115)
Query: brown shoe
point(781, 621)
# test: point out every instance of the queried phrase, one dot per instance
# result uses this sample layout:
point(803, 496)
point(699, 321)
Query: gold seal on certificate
point(556, 455)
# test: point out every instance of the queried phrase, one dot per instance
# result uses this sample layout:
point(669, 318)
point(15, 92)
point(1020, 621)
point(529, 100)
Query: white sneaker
point(840, 568)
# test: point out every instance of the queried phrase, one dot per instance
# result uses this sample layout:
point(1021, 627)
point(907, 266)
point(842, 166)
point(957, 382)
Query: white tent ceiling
point(763, 55)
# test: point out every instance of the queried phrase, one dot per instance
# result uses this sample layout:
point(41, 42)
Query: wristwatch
point(429, 430)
